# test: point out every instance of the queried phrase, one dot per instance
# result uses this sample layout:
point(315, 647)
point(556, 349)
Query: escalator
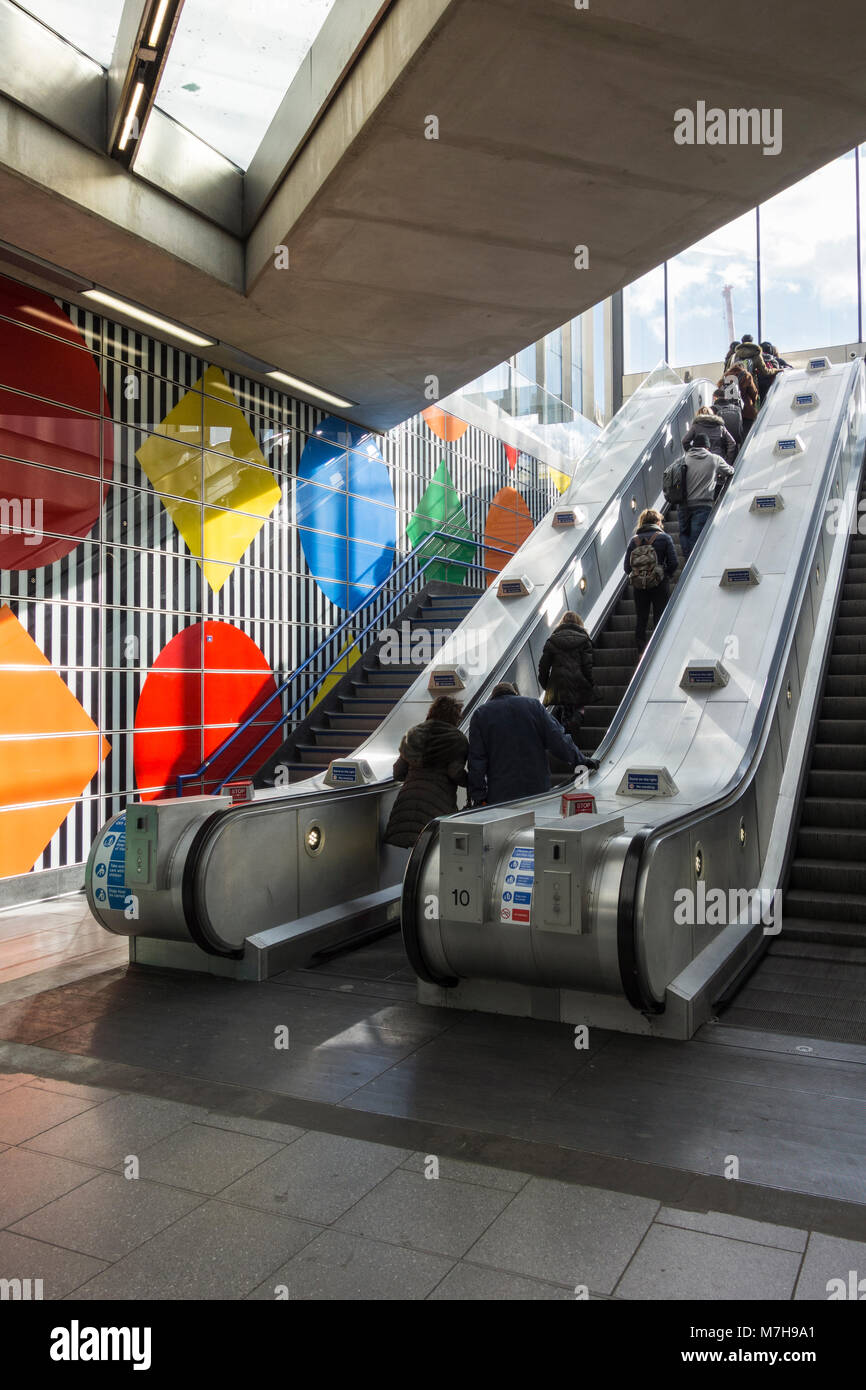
point(812, 980)
point(615, 654)
point(270, 883)
point(365, 697)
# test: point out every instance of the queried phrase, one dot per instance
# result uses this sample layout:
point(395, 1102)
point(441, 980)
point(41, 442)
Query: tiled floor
point(121, 1196)
point(58, 933)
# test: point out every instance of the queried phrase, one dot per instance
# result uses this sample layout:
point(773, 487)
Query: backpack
point(731, 388)
point(674, 481)
point(646, 570)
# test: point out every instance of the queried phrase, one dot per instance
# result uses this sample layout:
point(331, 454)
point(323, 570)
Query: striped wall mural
point(176, 496)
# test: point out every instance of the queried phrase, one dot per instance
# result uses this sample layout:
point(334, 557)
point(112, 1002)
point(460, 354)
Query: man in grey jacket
point(702, 470)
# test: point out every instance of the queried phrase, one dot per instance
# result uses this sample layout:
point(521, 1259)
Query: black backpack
point(674, 481)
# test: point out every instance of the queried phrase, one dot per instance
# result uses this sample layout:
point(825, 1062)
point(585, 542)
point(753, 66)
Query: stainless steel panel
point(173, 159)
point(42, 72)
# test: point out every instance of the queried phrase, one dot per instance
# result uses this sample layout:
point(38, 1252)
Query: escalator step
point(828, 876)
point(844, 708)
point(846, 645)
point(847, 664)
point(824, 906)
point(847, 813)
point(850, 731)
point(836, 783)
point(843, 686)
point(831, 842)
point(822, 930)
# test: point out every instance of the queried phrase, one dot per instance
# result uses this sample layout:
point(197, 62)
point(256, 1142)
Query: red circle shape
point(61, 433)
point(205, 682)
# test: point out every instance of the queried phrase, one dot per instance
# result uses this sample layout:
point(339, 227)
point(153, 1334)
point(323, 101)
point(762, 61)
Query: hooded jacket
point(509, 740)
point(722, 442)
point(431, 766)
point(565, 668)
point(748, 389)
point(703, 470)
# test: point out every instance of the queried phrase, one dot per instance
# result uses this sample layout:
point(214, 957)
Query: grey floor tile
point(717, 1223)
point(829, 1259)
point(96, 1094)
point(107, 1134)
point(317, 1178)
point(28, 1180)
point(218, 1251)
point(108, 1216)
point(259, 1129)
point(338, 1267)
point(567, 1234)
point(677, 1264)
point(204, 1159)
point(26, 1112)
point(426, 1213)
point(472, 1283)
point(482, 1174)
point(61, 1271)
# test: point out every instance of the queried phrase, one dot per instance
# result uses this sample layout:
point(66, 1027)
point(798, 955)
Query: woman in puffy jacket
point(565, 672)
point(431, 766)
point(722, 442)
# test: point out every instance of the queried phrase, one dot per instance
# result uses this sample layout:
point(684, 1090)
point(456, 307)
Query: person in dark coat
point(431, 766)
point(730, 410)
point(565, 672)
point(649, 580)
point(510, 738)
point(722, 442)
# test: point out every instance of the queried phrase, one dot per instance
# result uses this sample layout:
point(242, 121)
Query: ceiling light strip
point(306, 389)
point(122, 306)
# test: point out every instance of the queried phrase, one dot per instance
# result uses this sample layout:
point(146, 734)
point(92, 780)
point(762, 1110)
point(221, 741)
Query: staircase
point(364, 699)
point(615, 655)
point(812, 980)
point(825, 900)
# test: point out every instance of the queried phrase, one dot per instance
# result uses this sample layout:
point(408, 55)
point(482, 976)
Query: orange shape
point(508, 524)
point(445, 427)
point(50, 748)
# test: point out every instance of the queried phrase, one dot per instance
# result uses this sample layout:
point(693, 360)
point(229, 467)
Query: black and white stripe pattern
point(103, 614)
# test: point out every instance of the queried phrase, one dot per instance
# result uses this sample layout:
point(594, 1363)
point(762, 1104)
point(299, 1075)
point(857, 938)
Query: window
point(553, 363)
point(809, 261)
point(713, 294)
point(644, 322)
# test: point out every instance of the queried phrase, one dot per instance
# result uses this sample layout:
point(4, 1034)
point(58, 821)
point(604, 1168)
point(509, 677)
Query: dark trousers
point(570, 717)
point(644, 600)
point(692, 522)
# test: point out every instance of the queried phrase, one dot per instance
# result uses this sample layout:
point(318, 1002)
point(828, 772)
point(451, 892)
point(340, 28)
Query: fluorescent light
point(138, 93)
point(152, 320)
point(308, 390)
point(158, 21)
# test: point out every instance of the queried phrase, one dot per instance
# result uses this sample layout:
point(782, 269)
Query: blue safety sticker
point(525, 880)
point(523, 897)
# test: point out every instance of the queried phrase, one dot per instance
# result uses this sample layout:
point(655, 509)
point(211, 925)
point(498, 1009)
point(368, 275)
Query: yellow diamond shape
point(232, 473)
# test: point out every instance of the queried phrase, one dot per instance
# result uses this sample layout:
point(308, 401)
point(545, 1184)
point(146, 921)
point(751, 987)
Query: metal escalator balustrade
point(601, 937)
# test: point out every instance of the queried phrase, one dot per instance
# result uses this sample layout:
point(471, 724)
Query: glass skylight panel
point(90, 25)
point(230, 66)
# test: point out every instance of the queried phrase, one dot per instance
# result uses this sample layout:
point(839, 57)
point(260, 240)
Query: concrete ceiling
point(412, 257)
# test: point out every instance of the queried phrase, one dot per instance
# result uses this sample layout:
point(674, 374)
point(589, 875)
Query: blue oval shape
point(345, 512)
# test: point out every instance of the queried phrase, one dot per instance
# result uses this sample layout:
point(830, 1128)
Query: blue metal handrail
point(185, 777)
